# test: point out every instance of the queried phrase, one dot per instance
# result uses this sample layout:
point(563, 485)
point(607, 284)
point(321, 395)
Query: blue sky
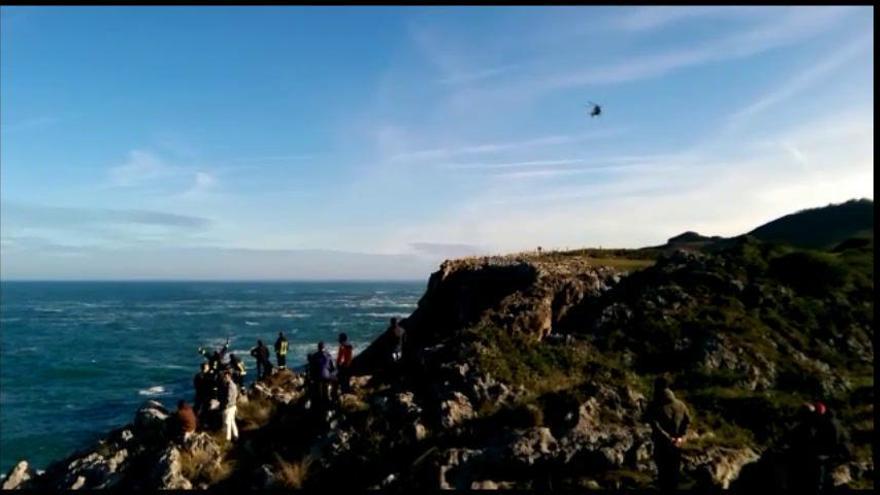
point(345, 142)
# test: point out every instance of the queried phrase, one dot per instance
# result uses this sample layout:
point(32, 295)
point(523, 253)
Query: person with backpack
point(322, 372)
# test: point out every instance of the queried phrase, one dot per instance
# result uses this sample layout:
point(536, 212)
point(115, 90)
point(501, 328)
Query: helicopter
point(595, 110)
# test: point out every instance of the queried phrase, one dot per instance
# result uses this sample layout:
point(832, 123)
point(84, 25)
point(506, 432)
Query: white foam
point(155, 390)
point(380, 315)
point(291, 314)
point(251, 323)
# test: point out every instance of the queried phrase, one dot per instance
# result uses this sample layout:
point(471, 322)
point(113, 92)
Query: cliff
point(534, 371)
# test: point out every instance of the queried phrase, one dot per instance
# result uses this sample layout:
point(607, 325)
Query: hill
point(821, 228)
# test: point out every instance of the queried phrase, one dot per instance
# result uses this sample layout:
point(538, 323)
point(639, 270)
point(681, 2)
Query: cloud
point(786, 27)
point(447, 250)
point(277, 158)
point(486, 166)
point(804, 80)
point(203, 182)
point(140, 167)
point(451, 151)
point(212, 263)
point(477, 75)
point(793, 27)
point(39, 216)
point(720, 188)
point(28, 124)
point(656, 17)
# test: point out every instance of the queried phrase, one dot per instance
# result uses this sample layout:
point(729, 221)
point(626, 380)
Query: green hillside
point(821, 228)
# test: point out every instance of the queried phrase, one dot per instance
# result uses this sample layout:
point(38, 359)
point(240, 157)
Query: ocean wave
point(152, 391)
point(380, 315)
point(290, 314)
point(251, 323)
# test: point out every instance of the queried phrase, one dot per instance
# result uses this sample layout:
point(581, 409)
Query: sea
point(78, 358)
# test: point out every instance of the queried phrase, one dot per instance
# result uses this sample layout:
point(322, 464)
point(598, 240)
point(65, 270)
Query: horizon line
point(243, 280)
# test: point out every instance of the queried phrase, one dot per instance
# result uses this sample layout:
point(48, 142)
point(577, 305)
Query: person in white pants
point(230, 400)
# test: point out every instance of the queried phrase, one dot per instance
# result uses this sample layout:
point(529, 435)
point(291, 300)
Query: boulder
point(455, 409)
point(17, 478)
point(717, 467)
point(532, 446)
point(150, 419)
point(78, 483)
point(455, 467)
point(95, 470)
point(168, 471)
point(403, 405)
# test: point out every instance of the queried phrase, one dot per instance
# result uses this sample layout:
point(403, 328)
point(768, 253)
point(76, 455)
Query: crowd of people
point(219, 381)
point(814, 445)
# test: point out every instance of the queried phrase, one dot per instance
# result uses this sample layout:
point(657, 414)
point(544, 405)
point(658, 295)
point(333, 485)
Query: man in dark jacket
point(669, 419)
point(261, 354)
point(204, 385)
point(322, 371)
point(829, 446)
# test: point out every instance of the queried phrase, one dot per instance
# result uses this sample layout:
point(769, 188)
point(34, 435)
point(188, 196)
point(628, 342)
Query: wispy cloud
point(203, 183)
point(477, 75)
point(804, 80)
point(277, 158)
point(447, 250)
point(759, 35)
point(608, 161)
point(790, 28)
point(828, 159)
point(451, 151)
point(657, 17)
point(29, 124)
point(41, 216)
point(141, 166)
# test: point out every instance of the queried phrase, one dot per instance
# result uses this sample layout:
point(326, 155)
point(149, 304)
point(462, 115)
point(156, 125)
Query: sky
point(375, 142)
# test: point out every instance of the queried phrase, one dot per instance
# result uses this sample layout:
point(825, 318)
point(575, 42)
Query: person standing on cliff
point(261, 354)
point(229, 402)
point(204, 384)
point(398, 334)
point(669, 419)
point(828, 448)
point(281, 350)
point(236, 366)
point(185, 419)
point(321, 374)
point(343, 362)
point(215, 360)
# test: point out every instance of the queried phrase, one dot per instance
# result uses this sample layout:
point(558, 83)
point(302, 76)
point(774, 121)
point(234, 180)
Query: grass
point(255, 413)
point(201, 467)
point(623, 264)
point(617, 479)
point(292, 474)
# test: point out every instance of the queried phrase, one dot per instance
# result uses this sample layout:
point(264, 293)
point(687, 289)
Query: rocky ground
point(534, 372)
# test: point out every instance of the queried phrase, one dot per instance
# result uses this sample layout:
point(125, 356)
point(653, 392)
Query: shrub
point(292, 474)
point(255, 413)
point(808, 272)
